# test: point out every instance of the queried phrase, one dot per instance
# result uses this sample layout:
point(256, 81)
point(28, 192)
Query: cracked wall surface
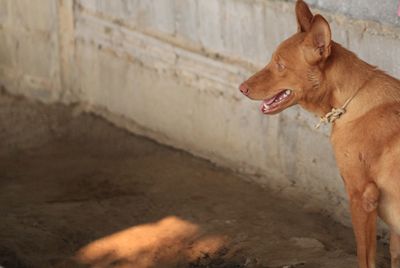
point(169, 69)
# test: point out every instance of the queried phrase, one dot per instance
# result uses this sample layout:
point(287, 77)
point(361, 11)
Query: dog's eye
point(280, 66)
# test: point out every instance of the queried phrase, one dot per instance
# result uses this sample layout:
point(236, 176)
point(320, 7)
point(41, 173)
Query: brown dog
point(323, 77)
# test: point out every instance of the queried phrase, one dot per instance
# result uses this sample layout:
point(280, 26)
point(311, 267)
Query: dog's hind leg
point(364, 216)
point(395, 249)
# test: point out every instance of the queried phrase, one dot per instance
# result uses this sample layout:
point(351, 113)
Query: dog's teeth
point(287, 92)
point(266, 106)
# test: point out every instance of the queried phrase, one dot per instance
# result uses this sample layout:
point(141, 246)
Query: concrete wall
point(169, 69)
point(379, 11)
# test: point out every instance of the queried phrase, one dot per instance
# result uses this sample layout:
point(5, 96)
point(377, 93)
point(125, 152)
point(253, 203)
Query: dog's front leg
point(364, 216)
point(395, 249)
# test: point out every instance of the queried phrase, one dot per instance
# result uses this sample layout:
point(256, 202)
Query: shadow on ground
point(76, 191)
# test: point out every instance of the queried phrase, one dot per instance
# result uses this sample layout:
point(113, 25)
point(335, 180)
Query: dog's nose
point(244, 88)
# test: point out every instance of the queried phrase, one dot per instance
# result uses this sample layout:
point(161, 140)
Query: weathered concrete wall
point(28, 38)
point(169, 69)
point(34, 40)
point(379, 11)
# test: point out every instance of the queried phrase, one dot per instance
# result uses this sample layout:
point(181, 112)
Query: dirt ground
point(75, 191)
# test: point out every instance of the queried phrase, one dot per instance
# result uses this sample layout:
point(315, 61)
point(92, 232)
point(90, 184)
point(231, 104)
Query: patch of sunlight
point(170, 241)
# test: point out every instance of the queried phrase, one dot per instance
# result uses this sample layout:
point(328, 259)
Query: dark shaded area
point(75, 191)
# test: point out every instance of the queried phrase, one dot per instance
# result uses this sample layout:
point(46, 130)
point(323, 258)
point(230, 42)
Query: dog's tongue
point(267, 103)
point(270, 100)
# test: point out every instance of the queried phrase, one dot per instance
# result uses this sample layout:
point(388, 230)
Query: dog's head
point(296, 68)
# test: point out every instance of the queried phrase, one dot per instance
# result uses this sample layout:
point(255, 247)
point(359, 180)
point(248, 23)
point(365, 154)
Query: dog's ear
point(304, 16)
point(318, 40)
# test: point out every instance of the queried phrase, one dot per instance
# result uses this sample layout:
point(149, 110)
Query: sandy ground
point(76, 191)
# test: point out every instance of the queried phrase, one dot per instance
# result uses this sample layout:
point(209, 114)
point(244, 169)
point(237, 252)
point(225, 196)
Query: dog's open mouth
point(273, 104)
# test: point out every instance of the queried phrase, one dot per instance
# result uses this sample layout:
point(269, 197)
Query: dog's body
point(311, 70)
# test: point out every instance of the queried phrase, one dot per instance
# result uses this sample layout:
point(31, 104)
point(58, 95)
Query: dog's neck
point(344, 74)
